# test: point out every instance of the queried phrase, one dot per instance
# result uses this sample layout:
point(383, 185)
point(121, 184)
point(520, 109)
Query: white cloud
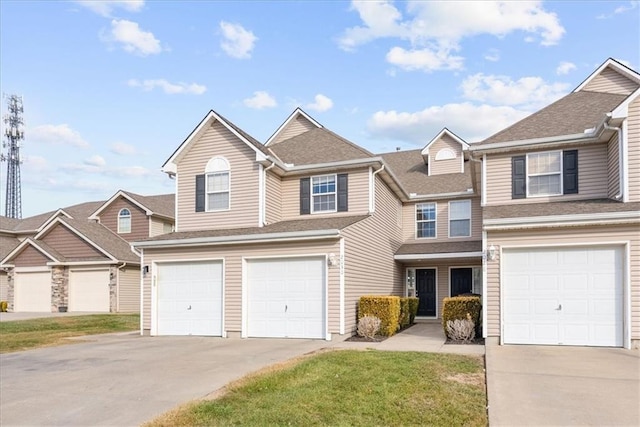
point(132, 38)
point(423, 59)
point(96, 169)
point(36, 164)
point(57, 135)
point(565, 68)
point(420, 126)
point(168, 87)
point(530, 92)
point(492, 55)
point(106, 8)
point(260, 99)
point(321, 103)
point(128, 172)
point(95, 160)
point(123, 149)
point(618, 10)
point(237, 42)
point(436, 28)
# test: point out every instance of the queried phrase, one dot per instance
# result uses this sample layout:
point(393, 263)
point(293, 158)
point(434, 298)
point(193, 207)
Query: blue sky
point(112, 88)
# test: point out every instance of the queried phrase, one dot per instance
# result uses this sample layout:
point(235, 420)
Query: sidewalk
point(426, 336)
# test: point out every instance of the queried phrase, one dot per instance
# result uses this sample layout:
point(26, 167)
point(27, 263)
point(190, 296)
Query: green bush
point(385, 308)
point(3, 306)
point(413, 308)
point(456, 308)
point(404, 318)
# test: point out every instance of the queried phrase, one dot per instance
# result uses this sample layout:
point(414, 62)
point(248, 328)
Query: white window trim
point(435, 220)
point(470, 216)
point(335, 194)
point(207, 192)
point(120, 216)
point(561, 173)
point(446, 154)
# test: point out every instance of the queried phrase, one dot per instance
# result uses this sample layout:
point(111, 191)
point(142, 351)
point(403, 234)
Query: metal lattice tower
point(14, 133)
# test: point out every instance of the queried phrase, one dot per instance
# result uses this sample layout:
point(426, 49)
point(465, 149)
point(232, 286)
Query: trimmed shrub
point(461, 329)
point(385, 308)
point(457, 308)
point(368, 326)
point(3, 306)
point(413, 308)
point(404, 313)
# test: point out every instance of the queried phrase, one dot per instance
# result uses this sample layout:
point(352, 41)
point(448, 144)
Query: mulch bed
point(475, 341)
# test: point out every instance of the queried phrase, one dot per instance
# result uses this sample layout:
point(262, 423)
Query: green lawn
point(350, 388)
point(28, 334)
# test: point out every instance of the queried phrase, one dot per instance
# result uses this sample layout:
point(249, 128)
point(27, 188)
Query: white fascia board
point(85, 263)
point(418, 197)
point(296, 112)
point(627, 72)
point(244, 238)
point(113, 198)
point(414, 257)
point(562, 220)
point(329, 165)
point(563, 139)
point(445, 131)
point(77, 233)
point(52, 217)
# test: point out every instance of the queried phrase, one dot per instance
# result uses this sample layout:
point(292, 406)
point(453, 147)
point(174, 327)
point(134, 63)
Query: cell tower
point(14, 133)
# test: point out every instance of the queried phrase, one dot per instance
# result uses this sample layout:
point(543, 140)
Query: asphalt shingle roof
point(559, 208)
point(161, 204)
point(440, 247)
point(7, 244)
point(569, 115)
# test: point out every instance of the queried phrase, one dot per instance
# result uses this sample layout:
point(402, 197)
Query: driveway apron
point(562, 386)
point(126, 379)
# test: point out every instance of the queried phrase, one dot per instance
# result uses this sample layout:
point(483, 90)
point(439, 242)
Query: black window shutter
point(519, 177)
point(343, 191)
point(305, 196)
point(200, 193)
point(570, 171)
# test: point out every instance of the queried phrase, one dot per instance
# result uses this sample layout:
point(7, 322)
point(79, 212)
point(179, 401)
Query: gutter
point(562, 220)
point(414, 196)
point(414, 257)
point(245, 238)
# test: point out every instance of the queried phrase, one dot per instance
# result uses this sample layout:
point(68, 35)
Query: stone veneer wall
point(59, 288)
point(10, 290)
point(113, 288)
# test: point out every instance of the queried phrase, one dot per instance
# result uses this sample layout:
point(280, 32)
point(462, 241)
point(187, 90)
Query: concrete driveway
point(562, 386)
point(126, 379)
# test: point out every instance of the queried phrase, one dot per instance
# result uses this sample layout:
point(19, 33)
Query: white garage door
point(89, 290)
point(32, 291)
point(189, 298)
point(286, 298)
point(563, 296)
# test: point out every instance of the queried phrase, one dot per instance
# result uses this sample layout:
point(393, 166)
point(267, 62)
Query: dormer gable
point(297, 123)
point(444, 154)
point(611, 77)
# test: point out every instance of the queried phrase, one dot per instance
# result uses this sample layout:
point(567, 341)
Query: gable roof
point(34, 224)
point(571, 115)
point(409, 168)
point(162, 204)
point(40, 246)
point(169, 165)
point(443, 132)
point(614, 65)
point(7, 244)
point(318, 146)
point(297, 112)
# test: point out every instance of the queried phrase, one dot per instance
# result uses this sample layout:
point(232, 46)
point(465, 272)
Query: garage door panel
point(574, 295)
point(32, 291)
point(89, 290)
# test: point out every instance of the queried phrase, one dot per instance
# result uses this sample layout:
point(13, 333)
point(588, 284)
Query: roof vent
point(397, 148)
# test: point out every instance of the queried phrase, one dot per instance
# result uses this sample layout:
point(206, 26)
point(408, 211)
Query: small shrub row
point(460, 308)
point(393, 312)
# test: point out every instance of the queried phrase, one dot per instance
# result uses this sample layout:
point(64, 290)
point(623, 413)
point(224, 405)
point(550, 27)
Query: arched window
point(124, 221)
point(218, 184)
point(446, 154)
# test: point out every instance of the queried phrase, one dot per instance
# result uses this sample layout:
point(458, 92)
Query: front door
point(426, 292)
point(461, 281)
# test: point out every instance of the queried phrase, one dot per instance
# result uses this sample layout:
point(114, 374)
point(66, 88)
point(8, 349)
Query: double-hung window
point(217, 184)
point(425, 220)
point(323, 193)
point(544, 173)
point(460, 218)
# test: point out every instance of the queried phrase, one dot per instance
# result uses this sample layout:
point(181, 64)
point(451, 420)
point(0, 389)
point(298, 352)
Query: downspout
point(263, 219)
point(621, 176)
point(141, 255)
point(474, 179)
point(373, 189)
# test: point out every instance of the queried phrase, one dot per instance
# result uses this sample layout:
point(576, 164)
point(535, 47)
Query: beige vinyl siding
point(593, 177)
point(159, 226)
point(555, 236)
point(438, 167)
point(129, 290)
point(633, 128)
point(69, 245)
point(369, 248)
point(30, 257)
point(443, 282)
point(139, 219)
point(442, 222)
point(218, 141)
point(4, 286)
point(358, 195)
point(273, 209)
point(232, 255)
point(613, 162)
point(295, 127)
point(611, 81)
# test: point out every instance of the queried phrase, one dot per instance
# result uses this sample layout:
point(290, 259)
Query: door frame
point(154, 289)
point(245, 287)
point(415, 287)
point(452, 267)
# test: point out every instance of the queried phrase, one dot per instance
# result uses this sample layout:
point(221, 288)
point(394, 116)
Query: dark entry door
point(461, 281)
point(426, 292)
